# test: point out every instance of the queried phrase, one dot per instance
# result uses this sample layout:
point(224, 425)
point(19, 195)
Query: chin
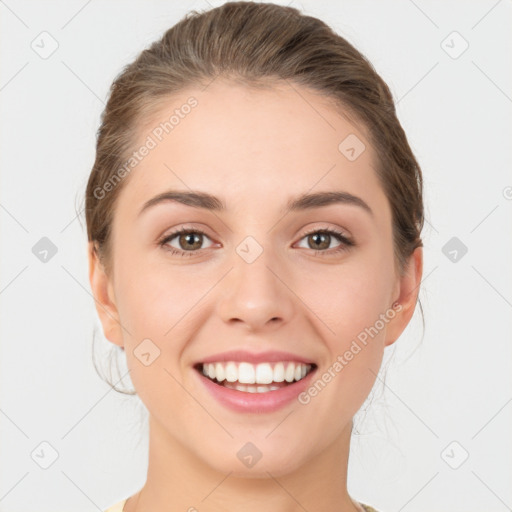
point(256, 459)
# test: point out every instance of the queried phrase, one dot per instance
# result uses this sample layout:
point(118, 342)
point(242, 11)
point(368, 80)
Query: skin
point(255, 149)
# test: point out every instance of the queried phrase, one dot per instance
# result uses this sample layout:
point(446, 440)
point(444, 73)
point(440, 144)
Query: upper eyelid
point(186, 229)
point(336, 230)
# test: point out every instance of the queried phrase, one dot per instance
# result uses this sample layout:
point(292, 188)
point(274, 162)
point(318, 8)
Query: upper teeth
point(263, 373)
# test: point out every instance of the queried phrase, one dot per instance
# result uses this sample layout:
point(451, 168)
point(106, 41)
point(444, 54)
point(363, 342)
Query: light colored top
point(118, 507)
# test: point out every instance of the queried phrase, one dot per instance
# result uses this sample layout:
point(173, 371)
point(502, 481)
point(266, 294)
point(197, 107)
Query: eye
point(189, 241)
point(319, 241)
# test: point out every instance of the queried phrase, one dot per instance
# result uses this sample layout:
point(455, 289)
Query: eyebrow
point(197, 199)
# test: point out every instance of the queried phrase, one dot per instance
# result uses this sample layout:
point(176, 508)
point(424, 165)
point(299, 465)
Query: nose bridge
point(253, 293)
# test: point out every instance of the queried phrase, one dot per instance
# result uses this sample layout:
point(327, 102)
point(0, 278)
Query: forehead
point(249, 145)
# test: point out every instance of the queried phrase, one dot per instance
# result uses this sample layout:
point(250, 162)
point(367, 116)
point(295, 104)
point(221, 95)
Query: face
point(275, 283)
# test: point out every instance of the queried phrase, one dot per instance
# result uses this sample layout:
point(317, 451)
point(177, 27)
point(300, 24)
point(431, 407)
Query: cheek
point(162, 308)
point(350, 298)
point(152, 295)
point(157, 308)
point(349, 303)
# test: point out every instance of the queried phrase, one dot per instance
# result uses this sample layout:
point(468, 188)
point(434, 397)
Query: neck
point(178, 480)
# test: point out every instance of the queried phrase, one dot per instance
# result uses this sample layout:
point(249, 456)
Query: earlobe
point(104, 299)
point(409, 287)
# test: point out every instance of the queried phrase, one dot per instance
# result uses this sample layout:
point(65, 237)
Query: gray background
point(444, 398)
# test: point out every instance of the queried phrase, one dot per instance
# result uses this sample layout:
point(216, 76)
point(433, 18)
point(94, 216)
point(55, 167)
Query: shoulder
point(118, 507)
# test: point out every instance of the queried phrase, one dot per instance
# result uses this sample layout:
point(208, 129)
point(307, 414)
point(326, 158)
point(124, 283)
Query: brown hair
point(256, 44)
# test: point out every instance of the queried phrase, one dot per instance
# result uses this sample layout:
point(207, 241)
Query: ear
point(406, 294)
point(103, 292)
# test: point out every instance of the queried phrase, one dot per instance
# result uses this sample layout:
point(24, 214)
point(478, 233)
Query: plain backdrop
point(436, 436)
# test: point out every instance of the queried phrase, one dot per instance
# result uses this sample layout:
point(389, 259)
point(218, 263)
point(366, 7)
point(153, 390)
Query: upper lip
point(255, 357)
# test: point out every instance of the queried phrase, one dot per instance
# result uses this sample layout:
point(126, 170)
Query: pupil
point(316, 237)
point(189, 239)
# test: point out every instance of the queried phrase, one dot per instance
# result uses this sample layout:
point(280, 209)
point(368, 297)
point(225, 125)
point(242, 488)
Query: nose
point(256, 295)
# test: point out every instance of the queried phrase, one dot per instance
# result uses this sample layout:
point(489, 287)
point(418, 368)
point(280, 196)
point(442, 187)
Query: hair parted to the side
point(257, 44)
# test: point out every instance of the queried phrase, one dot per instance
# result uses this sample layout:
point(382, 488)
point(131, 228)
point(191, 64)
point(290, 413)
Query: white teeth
point(246, 374)
point(231, 372)
point(251, 389)
point(289, 373)
point(279, 372)
point(220, 374)
point(263, 373)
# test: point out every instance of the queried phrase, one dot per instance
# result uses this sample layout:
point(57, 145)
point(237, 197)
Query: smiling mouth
point(255, 378)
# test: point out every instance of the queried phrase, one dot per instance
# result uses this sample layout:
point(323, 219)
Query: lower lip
point(241, 401)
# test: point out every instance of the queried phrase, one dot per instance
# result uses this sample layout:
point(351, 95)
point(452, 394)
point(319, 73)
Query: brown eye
point(190, 241)
point(184, 242)
point(321, 239)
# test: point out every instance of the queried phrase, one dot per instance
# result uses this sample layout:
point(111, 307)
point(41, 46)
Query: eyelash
point(345, 244)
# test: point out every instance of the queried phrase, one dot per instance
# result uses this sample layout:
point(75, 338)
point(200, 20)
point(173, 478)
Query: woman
point(254, 217)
